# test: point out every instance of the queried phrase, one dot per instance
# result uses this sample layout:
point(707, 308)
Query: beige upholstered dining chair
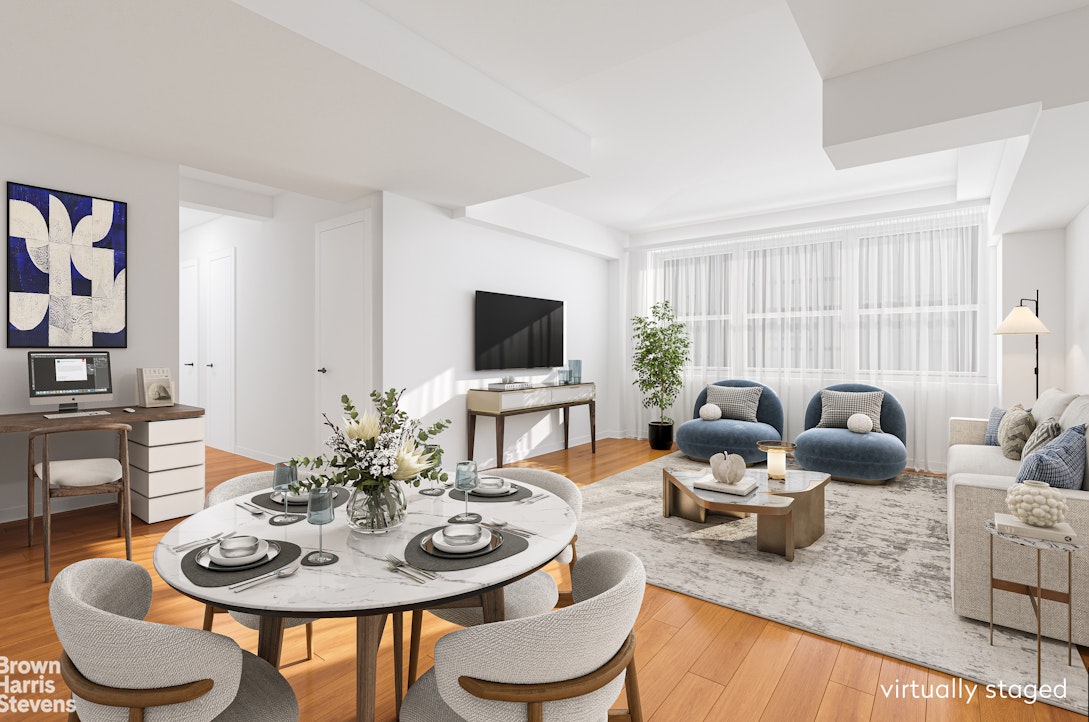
point(120, 667)
point(232, 489)
point(568, 664)
point(77, 477)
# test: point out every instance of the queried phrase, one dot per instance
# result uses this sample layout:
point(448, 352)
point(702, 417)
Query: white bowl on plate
point(217, 556)
point(492, 486)
point(442, 545)
point(292, 498)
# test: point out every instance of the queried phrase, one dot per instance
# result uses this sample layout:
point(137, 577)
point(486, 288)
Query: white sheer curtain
point(904, 304)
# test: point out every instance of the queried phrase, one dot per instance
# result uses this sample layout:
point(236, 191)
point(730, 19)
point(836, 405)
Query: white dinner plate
point(504, 490)
point(442, 545)
point(216, 555)
point(278, 497)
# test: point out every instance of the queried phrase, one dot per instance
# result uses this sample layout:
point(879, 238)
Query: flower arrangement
point(377, 448)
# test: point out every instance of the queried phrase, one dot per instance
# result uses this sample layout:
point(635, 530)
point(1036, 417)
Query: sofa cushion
point(976, 459)
point(736, 402)
point(701, 439)
point(1017, 425)
point(1052, 402)
point(847, 455)
point(1078, 413)
point(838, 406)
point(1061, 463)
point(1045, 432)
point(991, 437)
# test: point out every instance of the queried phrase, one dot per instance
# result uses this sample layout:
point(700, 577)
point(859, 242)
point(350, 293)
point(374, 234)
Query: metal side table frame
point(1038, 593)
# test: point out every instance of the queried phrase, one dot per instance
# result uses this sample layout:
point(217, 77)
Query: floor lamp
point(1021, 322)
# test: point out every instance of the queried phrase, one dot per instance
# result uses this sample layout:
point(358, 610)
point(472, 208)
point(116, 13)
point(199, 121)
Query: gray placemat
point(417, 557)
point(521, 493)
point(265, 501)
point(205, 578)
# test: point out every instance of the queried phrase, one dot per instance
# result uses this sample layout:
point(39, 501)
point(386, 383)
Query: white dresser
point(166, 468)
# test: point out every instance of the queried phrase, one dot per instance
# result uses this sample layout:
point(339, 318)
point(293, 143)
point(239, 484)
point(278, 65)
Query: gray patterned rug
point(877, 579)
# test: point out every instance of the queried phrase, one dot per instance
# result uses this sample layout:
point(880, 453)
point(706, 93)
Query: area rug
point(877, 579)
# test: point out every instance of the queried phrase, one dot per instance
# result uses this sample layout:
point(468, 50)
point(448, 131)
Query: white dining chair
point(565, 665)
point(120, 667)
point(555, 483)
point(232, 489)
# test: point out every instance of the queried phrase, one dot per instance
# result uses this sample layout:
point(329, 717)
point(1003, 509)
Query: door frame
point(193, 263)
point(229, 315)
point(367, 295)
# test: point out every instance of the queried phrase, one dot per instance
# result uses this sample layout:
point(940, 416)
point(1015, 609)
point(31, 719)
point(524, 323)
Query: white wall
point(1030, 261)
point(432, 265)
point(151, 190)
point(1077, 303)
point(274, 321)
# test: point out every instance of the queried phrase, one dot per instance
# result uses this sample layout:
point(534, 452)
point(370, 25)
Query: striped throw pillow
point(838, 406)
point(736, 402)
point(1060, 463)
point(1016, 427)
point(991, 437)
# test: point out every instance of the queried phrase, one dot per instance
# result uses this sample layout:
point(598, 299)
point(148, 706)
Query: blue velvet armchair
point(870, 458)
point(701, 439)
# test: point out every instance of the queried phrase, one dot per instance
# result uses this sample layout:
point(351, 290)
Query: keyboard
point(73, 414)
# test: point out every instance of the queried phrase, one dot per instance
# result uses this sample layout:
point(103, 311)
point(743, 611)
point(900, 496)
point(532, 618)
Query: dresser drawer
point(172, 456)
point(173, 431)
point(170, 481)
point(173, 506)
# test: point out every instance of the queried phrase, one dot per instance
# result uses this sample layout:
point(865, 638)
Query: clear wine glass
point(436, 458)
point(283, 476)
point(465, 480)
point(319, 511)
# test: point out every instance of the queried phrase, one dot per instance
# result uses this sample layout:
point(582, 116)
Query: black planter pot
point(660, 434)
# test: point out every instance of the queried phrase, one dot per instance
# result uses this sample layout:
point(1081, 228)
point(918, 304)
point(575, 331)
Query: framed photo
point(67, 270)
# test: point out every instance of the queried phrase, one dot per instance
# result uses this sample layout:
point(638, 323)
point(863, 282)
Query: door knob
point(209, 365)
point(189, 364)
point(322, 370)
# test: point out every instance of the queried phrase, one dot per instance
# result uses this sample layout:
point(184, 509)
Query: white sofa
point(977, 479)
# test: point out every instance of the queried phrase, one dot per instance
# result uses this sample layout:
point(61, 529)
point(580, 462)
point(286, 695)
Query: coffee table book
point(742, 488)
point(1009, 524)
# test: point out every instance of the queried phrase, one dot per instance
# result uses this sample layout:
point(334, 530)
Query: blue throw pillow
point(1061, 463)
point(991, 439)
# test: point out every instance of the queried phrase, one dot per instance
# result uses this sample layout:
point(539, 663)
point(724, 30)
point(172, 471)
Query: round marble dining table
point(361, 583)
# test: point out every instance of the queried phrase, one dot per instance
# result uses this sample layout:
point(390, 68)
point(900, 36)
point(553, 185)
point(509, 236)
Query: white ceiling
point(689, 110)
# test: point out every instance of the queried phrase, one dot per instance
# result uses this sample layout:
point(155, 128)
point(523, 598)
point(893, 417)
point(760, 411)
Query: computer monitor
point(67, 377)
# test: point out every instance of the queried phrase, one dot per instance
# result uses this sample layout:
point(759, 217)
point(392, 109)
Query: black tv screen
point(516, 332)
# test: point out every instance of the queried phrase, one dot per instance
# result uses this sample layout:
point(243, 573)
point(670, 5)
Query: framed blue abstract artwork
point(67, 274)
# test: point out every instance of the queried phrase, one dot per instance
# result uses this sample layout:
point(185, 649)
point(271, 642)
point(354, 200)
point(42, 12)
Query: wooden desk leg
point(500, 423)
point(566, 426)
point(270, 639)
point(593, 427)
point(493, 606)
point(472, 433)
point(368, 636)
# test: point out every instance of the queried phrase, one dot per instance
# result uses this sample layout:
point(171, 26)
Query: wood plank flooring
point(697, 662)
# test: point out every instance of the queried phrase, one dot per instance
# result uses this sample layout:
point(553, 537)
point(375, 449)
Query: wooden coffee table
point(790, 512)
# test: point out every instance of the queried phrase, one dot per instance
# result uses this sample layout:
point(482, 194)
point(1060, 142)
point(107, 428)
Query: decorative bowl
point(238, 546)
point(461, 534)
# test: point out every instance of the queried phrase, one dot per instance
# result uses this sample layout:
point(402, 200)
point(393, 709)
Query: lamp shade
point(1021, 321)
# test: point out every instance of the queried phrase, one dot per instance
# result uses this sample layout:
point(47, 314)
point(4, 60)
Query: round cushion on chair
point(847, 455)
point(527, 597)
point(710, 412)
point(701, 439)
point(860, 423)
point(81, 472)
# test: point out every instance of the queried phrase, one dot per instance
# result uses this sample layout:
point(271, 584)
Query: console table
point(166, 454)
point(544, 397)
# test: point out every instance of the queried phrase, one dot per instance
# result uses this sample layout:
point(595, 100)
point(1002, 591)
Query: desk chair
point(78, 477)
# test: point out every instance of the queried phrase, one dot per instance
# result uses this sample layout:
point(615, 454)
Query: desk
point(543, 397)
point(360, 584)
point(166, 454)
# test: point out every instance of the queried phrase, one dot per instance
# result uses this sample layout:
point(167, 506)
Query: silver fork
point(532, 499)
point(407, 573)
point(402, 563)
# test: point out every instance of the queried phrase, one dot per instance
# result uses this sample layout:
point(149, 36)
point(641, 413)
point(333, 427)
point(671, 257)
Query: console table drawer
point(565, 394)
point(524, 399)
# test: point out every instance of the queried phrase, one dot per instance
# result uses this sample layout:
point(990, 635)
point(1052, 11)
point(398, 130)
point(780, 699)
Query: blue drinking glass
point(319, 511)
point(465, 480)
point(283, 476)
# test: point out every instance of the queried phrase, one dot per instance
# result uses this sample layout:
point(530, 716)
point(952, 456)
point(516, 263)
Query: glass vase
point(377, 509)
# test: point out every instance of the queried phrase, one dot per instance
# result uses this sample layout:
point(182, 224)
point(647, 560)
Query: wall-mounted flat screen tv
point(516, 332)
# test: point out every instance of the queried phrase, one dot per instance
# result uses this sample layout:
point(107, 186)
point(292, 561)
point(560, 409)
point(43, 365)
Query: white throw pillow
point(710, 412)
point(1052, 403)
point(860, 423)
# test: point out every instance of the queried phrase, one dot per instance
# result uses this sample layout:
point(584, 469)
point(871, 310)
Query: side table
point(1035, 594)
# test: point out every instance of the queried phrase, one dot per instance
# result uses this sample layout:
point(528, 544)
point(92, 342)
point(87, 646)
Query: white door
point(344, 306)
point(188, 391)
point(217, 369)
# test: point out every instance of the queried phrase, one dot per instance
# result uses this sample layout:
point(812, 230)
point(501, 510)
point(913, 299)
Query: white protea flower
point(364, 428)
point(411, 460)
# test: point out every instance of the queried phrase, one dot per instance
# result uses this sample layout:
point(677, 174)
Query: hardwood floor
point(697, 661)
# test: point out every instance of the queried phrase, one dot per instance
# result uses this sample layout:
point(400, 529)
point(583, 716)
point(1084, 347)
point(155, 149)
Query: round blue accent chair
point(871, 458)
point(701, 439)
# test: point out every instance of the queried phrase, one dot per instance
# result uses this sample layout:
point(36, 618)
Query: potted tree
point(660, 352)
